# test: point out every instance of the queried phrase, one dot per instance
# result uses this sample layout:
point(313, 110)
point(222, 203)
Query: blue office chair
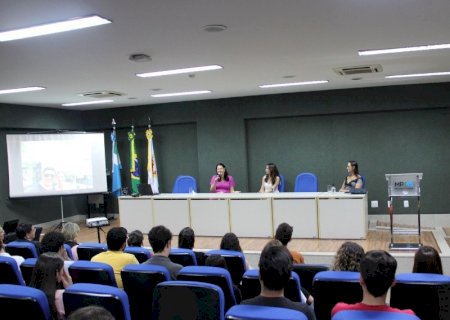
point(427, 294)
point(112, 299)
point(363, 182)
point(215, 275)
point(139, 282)
point(306, 182)
point(185, 257)
point(26, 249)
point(26, 269)
point(331, 287)
point(92, 272)
point(9, 272)
point(87, 250)
point(24, 302)
point(142, 254)
point(68, 250)
point(249, 312)
point(281, 185)
point(188, 300)
point(235, 263)
point(184, 184)
point(372, 315)
point(306, 272)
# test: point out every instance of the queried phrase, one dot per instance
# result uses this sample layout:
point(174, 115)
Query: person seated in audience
point(49, 276)
point(275, 267)
point(91, 312)
point(25, 233)
point(377, 276)
point(116, 239)
point(427, 260)
point(135, 239)
point(54, 242)
point(70, 231)
point(160, 239)
point(218, 261)
point(284, 235)
point(348, 257)
point(231, 242)
point(18, 259)
point(186, 240)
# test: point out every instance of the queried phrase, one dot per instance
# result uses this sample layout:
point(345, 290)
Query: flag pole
point(116, 186)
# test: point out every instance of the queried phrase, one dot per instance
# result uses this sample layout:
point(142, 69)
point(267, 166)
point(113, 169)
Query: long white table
point(312, 214)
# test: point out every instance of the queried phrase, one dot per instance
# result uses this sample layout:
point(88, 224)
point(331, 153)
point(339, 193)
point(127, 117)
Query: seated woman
point(271, 180)
point(353, 179)
point(18, 259)
point(70, 231)
point(231, 242)
point(348, 257)
point(186, 240)
point(427, 260)
point(218, 261)
point(222, 181)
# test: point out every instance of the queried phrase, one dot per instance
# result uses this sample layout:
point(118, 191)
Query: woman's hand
point(66, 279)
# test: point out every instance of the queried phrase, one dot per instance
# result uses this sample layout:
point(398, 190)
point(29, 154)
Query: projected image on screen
point(56, 164)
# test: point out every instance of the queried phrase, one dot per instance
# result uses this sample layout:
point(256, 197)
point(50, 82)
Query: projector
point(97, 222)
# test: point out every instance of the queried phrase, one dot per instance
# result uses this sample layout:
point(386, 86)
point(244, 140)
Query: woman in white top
point(271, 180)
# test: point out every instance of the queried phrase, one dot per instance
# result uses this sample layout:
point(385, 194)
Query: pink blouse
point(223, 186)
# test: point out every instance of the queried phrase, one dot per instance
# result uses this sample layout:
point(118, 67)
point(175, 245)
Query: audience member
point(377, 276)
point(135, 239)
point(26, 233)
point(50, 277)
point(160, 239)
point(70, 231)
point(218, 261)
point(231, 242)
point(348, 257)
point(116, 239)
point(284, 235)
point(186, 240)
point(54, 242)
point(91, 312)
point(18, 259)
point(427, 260)
point(275, 266)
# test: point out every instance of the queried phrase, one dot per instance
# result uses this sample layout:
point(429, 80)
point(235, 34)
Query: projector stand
point(61, 223)
point(98, 233)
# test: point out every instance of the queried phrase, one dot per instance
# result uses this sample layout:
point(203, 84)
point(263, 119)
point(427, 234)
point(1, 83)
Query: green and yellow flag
point(134, 163)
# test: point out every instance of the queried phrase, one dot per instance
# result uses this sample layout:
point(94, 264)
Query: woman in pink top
point(222, 182)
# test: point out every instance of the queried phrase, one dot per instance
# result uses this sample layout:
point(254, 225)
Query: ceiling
point(265, 42)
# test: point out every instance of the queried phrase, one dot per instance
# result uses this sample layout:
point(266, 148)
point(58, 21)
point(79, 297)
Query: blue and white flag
point(116, 167)
point(151, 164)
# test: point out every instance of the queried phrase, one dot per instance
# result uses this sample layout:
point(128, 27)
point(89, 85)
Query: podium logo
point(404, 185)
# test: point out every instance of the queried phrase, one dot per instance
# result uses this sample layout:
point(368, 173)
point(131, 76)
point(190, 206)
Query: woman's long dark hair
point(273, 173)
point(225, 174)
point(230, 242)
point(354, 164)
point(427, 260)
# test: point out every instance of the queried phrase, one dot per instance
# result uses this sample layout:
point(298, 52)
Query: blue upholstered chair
point(331, 287)
point(139, 281)
point(26, 249)
point(235, 263)
point(111, 298)
point(372, 315)
point(215, 275)
point(27, 269)
point(10, 272)
point(87, 250)
point(92, 272)
point(281, 185)
point(68, 250)
point(23, 302)
point(185, 257)
point(184, 184)
point(249, 312)
point(188, 300)
point(306, 272)
point(142, 254)
point(306, 182)
point(427, 294)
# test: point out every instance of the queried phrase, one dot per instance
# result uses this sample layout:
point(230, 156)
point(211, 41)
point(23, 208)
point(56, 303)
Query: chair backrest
point(281, 185)
point(306, 182)
point(363, 179)
point(184, 184)
point(139, 281)
point(68, 250)
point(26, 249)
point(372, 315)
point(10, 272)
point(27, 269)
point(235, 263)
point(111, 298)
point(24, 302)
point(331, 287)
point(427, 294)
point(249, 312)
point(92, 272)
point(251, 287)
point(87, 250)
point(306, 272)
point(194, 300)
point(141, 254)
point(185, 257)
point(215, 275)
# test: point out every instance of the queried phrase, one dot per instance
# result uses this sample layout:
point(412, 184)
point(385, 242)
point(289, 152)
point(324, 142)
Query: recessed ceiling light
point(214, 28)
point(432, 74)
point(178, 71)
point(19, 90)
point(140, 57)
point(50, 28)
point(289, 76)
point(405, 49)
point(277, 85)
point(188, 93)
point(85, 103)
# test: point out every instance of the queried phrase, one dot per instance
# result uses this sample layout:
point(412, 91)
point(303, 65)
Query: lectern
point(403, 185)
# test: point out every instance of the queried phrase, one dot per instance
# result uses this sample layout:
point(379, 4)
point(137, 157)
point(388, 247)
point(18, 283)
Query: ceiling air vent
point(102, 94)
point(350, 71)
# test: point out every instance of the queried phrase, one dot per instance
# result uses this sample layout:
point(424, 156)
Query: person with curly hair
point(348, 257)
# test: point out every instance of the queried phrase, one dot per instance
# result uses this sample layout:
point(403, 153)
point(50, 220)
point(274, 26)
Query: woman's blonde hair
point(70, 231)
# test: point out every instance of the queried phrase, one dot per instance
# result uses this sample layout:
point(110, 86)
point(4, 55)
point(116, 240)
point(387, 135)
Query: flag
point(116, 167)
point(151, 163)
point(134, 163)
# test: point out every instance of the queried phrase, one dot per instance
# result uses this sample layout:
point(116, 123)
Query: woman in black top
point(353, 179)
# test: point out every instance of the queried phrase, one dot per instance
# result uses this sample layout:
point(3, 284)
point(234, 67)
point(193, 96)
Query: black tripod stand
point(61, 223)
